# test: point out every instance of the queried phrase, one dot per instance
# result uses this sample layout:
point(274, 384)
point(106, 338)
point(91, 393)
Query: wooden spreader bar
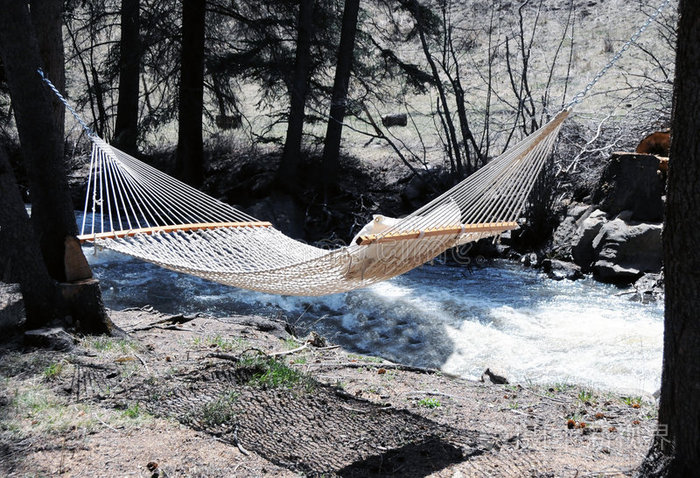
point(178, 227)
point(436, 231)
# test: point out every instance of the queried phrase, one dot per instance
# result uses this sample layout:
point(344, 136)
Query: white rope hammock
point(138, 210)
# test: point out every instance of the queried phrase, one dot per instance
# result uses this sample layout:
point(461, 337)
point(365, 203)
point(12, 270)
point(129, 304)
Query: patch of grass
point(222, 343)
point(103, 343)
point(291, 344)
point(35, 409)
point(299, 360)
point(53, 370)
point(585, 396)
point(634, 402)
point(429, 402)
point(513, 405)
point(220, 410)
point(270, 373)
point(132, 411)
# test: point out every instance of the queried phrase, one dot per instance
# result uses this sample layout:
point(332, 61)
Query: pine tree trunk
point(676, 448)
point(47, 18)
point(331, 148)
point(289, 166)
point(190, 151)
point(20, 261)
point(42, 147)
point(126, 125)
point(53, 218)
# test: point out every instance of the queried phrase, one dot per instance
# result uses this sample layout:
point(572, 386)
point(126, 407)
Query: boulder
point(631, 182)
point(582, 244)
point(624, 251)
point(493, 375)
point(559, 270)
point(567, 229)
point(397, 119)
point(649, 288)
point(55, 338)
point(12, 314)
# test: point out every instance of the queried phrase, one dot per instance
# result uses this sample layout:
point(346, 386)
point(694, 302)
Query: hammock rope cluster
point(135, 209)
point(138, 210)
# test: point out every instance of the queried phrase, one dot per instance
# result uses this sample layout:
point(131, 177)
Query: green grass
point(132, 411)
point(634, 402)
point(53, 370)
point(429, 402)
point(222, 343)
point(270, 373)
point(585, 396)
point(220, 410)
point(103, 343)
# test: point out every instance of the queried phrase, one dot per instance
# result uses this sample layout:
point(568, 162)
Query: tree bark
point(331, 147)
point(20, 261)
point(47, 18)
point(42, 147)
point(190, 151)
point(289, 165)
point(53, 219)
point(676, 447)
point(126, 125)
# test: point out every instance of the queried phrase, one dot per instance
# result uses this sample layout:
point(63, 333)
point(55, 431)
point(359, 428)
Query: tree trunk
point(126, 125)
point(289, 165)
point(21, 261)
point(331, 147)
point(53, 219)
point(676, 447)
point(47, 18)
point(190, 151)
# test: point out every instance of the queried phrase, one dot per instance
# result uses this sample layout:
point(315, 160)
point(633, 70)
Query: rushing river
point(502, 316)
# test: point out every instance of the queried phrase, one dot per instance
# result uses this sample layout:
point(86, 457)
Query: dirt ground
point(220, 397)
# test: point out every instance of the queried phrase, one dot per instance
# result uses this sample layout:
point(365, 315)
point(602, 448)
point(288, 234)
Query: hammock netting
point(138, 210)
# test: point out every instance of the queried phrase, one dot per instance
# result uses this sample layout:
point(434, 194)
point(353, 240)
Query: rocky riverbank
point(241, 396)
point(615, 232)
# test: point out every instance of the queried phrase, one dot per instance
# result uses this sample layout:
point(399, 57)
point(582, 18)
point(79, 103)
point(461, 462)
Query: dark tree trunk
point(20, 261)
point(42, 147)
point(47, 18)
point(53, 218)
point(676, 448)
point(331, 147)
point(289, 165)
point(190, 154)
point(126, 125)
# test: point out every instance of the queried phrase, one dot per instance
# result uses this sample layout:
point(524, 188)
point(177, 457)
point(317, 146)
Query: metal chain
point(87, 129)
point(579, 96)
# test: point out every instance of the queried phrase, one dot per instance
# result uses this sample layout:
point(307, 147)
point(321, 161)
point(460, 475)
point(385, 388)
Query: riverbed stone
point(631, 182)
point(624, 251)
point(560, 270)
point(582, 250)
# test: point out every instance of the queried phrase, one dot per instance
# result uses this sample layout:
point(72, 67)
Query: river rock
point(624, 251)
point(649, 288)
point(55, 338)
point(560, 270)
point(494, 375)
point(12, 314)
point(582, 244)
point(631, 182)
